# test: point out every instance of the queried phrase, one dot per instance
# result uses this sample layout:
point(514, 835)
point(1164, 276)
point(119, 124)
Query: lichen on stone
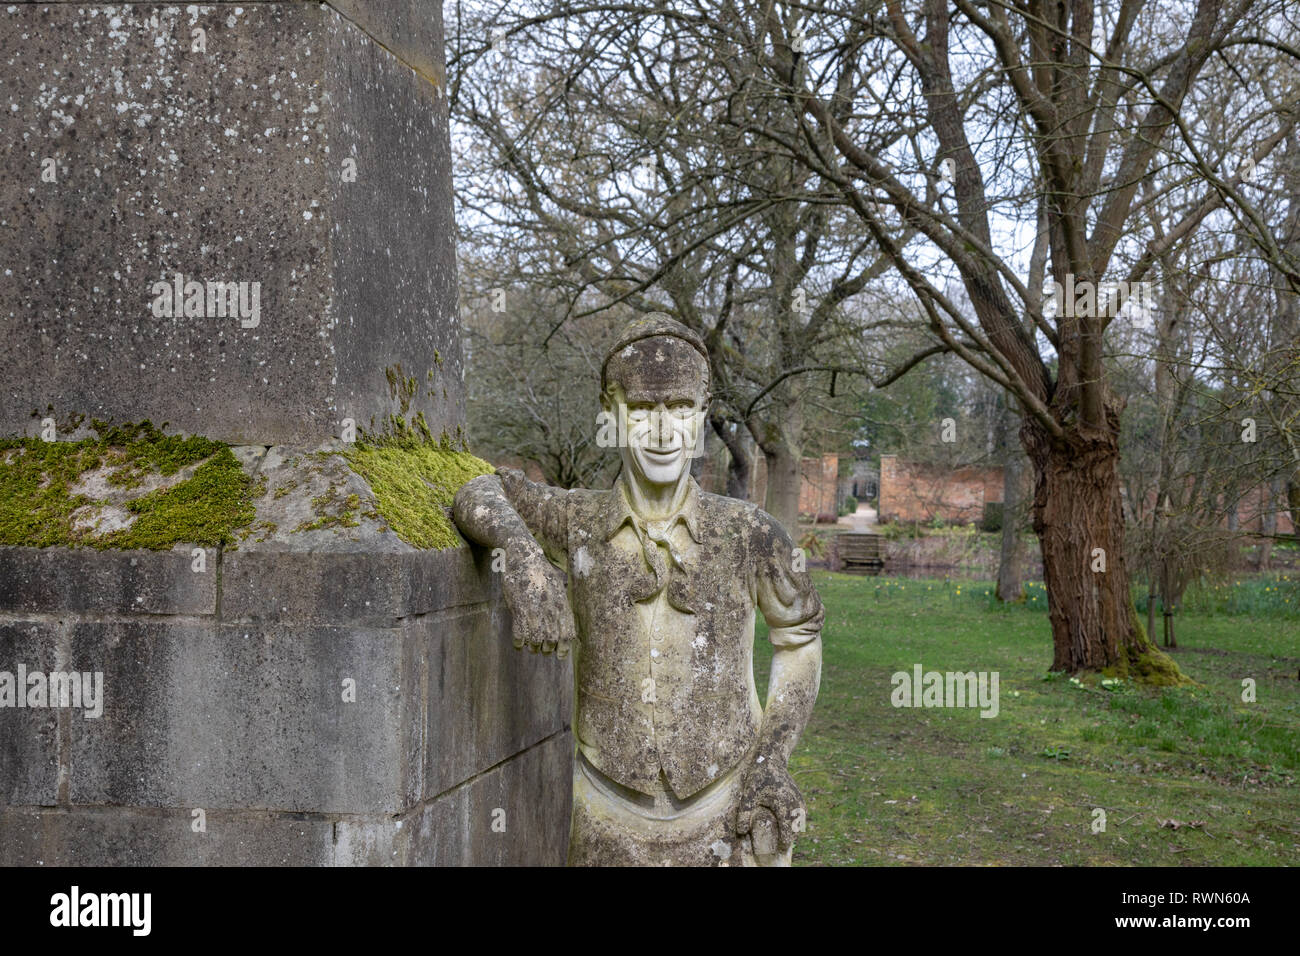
point(332, 511)
point(80, 493)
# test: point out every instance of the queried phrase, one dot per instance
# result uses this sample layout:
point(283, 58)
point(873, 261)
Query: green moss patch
point(414, 482)
point(38, 497)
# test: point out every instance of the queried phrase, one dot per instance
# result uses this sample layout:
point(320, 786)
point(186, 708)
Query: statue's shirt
point(664, 613)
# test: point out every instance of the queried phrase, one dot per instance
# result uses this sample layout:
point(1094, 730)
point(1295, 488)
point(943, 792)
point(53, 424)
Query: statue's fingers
point(562, 650)
point(548, 647)
point(765, 831)
point(784, 830)
point(744, 815)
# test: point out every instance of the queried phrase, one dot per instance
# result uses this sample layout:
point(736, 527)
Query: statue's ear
point(610, 397)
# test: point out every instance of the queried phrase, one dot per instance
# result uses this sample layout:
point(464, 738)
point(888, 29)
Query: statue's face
point(659, 397)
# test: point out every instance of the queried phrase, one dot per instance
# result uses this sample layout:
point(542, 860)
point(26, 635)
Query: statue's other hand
point(769, 786)
point(536, 593)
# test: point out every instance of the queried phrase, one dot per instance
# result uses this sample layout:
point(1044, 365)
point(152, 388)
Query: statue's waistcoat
point(665, 658)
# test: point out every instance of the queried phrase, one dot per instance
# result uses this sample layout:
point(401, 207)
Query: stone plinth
point(393, 724)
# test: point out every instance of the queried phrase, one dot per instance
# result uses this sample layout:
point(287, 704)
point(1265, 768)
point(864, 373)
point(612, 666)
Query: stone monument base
point(316, 692)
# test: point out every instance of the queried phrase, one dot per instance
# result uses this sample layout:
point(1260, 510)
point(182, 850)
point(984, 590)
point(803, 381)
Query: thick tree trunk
point(780, 436)
point(738, 475)
point(783, 478)
point(700, 461)
point(1078, 517)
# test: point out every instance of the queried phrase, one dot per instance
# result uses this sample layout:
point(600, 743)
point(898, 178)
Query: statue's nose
point(661, 429)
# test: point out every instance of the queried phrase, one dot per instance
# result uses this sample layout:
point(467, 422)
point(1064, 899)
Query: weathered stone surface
point(536, 795)
point(486, 699)
point(345, 587)
point(224, 164)
point(411, 30)
point(234, 716)
point(454, 829)
point(29, 737)
point(533, 793)
point(127, 836)
point(107, 582)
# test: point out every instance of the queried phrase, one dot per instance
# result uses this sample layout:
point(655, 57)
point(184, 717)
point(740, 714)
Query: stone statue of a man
point(677, 761)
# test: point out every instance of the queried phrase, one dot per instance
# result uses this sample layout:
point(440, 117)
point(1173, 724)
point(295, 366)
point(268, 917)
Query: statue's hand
point(769, 787)
point(536, 593)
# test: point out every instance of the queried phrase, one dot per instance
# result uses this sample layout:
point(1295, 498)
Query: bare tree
point(604, 147)
point(1088, 113)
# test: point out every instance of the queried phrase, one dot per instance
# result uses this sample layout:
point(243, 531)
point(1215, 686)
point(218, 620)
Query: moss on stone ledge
point(414, 482)
point(38, 497)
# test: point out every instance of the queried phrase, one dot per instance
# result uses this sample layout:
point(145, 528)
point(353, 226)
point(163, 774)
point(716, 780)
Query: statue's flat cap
point(651, 326)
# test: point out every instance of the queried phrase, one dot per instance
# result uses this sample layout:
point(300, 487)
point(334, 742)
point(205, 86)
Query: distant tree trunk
point(738, 464)
point(1078, 510)
point(1293, 501)
point(700, 461)
point(781, 440)
point(1169, 598)
point(1153, 578)
point(784, 475)
point(1268, 522)
point(1011, 560)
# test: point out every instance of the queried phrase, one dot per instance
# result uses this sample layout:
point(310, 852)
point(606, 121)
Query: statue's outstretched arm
point(535, 589)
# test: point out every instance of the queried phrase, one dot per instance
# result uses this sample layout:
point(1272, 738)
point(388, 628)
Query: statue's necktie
point(651, 538)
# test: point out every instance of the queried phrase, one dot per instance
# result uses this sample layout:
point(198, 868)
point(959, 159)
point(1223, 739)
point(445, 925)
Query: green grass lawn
point(1187, 777)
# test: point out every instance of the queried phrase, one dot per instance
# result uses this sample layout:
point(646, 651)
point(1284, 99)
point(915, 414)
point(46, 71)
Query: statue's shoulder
point(742, 517)
point(735, 510)
point(587, 501)
point(722, 505)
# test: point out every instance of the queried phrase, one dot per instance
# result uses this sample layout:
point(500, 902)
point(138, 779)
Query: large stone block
point(511, 814)
point(282, 147)
point(108, 582)
point(29, 737)
point(486, 699)
point(336, 583)
point(240, 717)
point(126, 836)
point(518, 813)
